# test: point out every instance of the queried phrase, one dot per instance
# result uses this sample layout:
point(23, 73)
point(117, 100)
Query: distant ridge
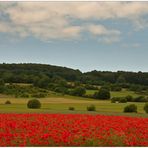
point(27, 72)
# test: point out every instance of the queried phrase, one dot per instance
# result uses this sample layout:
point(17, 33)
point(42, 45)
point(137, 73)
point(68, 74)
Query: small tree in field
point(122, 100)
point(115, 99)
point(34, 103)
point(102, 94)
point(79, 91)
point(91, 108)
point(71, 108)
point(129, 98)
point(146, 107)
point(131, 108)
point(7, 102)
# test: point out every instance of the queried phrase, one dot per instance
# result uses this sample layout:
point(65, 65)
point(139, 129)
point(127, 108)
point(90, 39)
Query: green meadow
point(61, 104)
point(122, 93)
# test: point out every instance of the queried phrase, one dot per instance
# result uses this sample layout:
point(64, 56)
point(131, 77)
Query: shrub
point(34, 103)
point(115, 99)
point(122, 100)
point(139, 99)
point(106, 87)
point(129, 98)
point(146, 107)
point(71, 108)
point(116, 88)
point(102, 94)
point(146, 99)
point(87, 86)
point(78, 91)
point(7, 102)
point(61, 89)
point(39, 95)
point(130, 108)
point(88, 96)
point(24, 95)
point(136, 88)
point(91, 108)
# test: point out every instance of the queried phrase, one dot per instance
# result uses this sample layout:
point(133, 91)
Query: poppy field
point(72, 130)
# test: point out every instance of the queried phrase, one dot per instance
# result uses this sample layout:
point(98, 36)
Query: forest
point(31, 73)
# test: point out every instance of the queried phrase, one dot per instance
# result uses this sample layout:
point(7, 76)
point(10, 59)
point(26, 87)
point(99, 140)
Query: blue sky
point(107, 36)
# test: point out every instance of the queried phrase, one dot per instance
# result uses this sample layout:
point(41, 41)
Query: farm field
point(72, 130)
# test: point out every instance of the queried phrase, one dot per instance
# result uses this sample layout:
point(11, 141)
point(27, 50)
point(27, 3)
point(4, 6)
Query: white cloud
point(101, 30)
point(52, 20)
point(105, 35)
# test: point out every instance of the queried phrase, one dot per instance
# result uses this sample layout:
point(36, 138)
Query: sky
point(104, 36)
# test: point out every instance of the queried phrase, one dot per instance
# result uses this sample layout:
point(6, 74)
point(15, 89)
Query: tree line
point(32, 73)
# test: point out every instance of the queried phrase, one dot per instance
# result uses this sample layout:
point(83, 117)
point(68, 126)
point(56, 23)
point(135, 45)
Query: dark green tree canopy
point(30, 73)
point(79, 91)
point(102, 94)
point(34, 104)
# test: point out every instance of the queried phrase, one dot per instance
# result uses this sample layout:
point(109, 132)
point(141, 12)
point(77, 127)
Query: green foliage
point(146, 107)
point(129, 98)
point(78, 91)
point(34, 104)
point(140, 99)
point(91, 87)
point(91, 108)
point(115, 88)
point(42, 82)
point(106, 87)
point(131, 108)
point(61, 79)
point(2, 89)
point(25, 91)
point(62, 83)
point(136, 88)
point(39, 95)
point(122, 100)
point(115, 99)
point(61, 89)
point(77, 84)
point(88, 96)
point(121, 79)
point(71, 108)
point(118, 99)
point(24, 95)
point(8, 102)
point(102, 94)
point(39, 73)
point(2, 83)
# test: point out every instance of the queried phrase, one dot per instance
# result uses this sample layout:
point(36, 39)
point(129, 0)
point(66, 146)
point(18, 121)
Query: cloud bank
point(61, 20)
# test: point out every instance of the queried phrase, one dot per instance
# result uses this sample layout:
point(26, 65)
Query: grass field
point(122, 93)
point(61, 105)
